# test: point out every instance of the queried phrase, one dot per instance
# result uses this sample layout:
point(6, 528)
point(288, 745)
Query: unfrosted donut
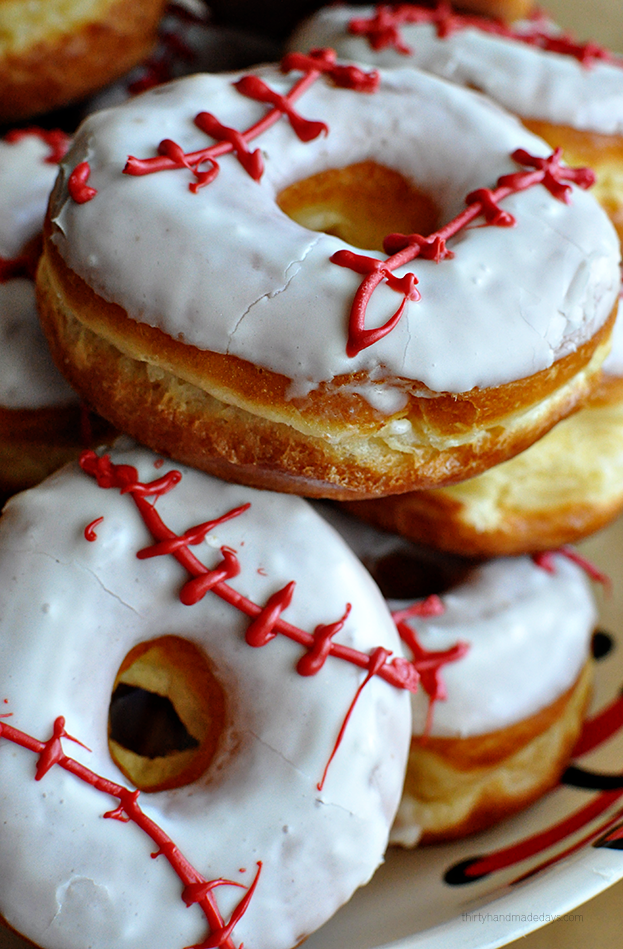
point(568, 92)
point(248, 612)
point(53, 52)
point(507, 712)
point(41, 422)
point(196, 315)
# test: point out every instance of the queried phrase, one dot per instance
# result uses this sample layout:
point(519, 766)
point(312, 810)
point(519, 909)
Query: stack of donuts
point(352, 319)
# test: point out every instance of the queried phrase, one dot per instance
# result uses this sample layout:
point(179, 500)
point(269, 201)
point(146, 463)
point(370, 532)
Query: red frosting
point(383, 30)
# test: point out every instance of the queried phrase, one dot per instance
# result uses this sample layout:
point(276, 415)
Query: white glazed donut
point(76, 599)
point(227, 315)
point(28, 169)
point(569, 93)
point(40, 416)
point(511, 706)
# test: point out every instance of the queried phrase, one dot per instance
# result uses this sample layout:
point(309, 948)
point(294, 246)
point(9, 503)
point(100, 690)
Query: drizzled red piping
point(545, 560)
point(266, 620)
point(382, 30)
point(403, 248)
point(196, 888)
point(429, 663)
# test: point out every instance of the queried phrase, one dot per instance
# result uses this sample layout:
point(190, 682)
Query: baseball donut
point(509, 649)
point(42, 424)
point(569, 93)
point(185, 304)
point(268, 797)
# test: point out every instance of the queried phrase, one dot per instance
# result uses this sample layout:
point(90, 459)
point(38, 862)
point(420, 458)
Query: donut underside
point(458, 786)
point(234, 420)
point(563, 488)
point(44, 66)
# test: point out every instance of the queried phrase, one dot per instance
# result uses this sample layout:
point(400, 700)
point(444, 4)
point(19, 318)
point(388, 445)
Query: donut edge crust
point(504, 511)
point(234, 420)
point(456, 787)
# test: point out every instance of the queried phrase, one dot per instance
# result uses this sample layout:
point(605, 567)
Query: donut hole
point(166, 714)
point(410, 575)
point(361, 204)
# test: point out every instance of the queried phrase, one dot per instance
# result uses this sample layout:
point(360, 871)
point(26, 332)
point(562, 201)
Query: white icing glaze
point(226, 270)
point(28, 377)
point(529, 633)
point(70, 611)
point(535, 83)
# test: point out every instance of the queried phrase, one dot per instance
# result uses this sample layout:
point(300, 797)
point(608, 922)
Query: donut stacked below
point(185, 301)
point(511, 707)
point(569, 93)
point(53, 52)
point(563, 488)
point(248, 617)
point(40, 416)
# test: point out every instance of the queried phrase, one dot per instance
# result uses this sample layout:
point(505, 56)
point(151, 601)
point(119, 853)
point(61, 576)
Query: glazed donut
point(279, 817)
point(563, 488)
point(423, 384)
point(53, 52)
point(503, 717)
point(41, 421)
point(569, 93)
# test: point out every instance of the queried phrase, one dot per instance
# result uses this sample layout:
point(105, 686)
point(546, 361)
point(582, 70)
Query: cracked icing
point(132, 241)
point(532, 82)
point(71, 609)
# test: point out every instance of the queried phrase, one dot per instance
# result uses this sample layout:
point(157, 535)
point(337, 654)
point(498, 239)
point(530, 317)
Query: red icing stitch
point(404, 248)
point(266, 621)
point(398, 672)
point(197, 890)
point(318, 62)
point(89, 531)
point(428, 663)
point(57, 141)
point(545, 560)
point(77, 185)
point(382, 30)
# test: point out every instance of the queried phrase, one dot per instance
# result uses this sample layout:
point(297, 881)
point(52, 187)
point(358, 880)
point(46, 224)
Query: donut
point(281, 356)
point(248, 614)
point(563, 488)
point(188, 41)
point(569, 93)
point(54, 52)
point(496, 726)
point(42, 424)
